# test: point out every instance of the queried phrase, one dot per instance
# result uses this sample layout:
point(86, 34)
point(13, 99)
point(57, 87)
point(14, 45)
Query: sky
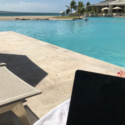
point(53, 6)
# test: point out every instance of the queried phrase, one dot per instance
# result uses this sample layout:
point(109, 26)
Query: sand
point(29, 17)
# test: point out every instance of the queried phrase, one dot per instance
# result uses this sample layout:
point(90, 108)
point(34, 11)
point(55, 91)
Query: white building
point(111, 4)
point(120, 3)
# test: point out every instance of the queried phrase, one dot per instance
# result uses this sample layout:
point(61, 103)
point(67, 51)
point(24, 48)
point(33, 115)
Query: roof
point(105, 3)
point(117, 3)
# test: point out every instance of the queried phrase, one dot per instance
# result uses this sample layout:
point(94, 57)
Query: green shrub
point(102, 11)
point(124, 10)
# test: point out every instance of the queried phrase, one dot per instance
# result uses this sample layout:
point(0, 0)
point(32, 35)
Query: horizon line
point(24, 12)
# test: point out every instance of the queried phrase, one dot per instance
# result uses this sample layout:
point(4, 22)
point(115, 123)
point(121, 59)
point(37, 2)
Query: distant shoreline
point(2, 13)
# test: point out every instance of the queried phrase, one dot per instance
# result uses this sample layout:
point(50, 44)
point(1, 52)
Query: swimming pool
point(101, 38)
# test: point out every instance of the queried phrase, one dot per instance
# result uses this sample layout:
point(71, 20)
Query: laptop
point(97, 99)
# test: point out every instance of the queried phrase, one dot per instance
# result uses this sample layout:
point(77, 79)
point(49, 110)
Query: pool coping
point(94, 61)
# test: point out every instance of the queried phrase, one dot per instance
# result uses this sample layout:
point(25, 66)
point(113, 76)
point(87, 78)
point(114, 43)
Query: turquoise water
point(101, 38)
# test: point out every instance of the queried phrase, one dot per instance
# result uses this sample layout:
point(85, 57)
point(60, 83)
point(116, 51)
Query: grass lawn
point(66, 17)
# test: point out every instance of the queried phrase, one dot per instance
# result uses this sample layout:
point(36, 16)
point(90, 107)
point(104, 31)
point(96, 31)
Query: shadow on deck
point(28, 71)
point(24, 68)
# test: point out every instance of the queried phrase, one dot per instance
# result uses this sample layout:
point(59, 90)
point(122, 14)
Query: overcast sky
point(38, 5)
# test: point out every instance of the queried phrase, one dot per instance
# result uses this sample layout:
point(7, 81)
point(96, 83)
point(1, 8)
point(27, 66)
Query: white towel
point(57, 116)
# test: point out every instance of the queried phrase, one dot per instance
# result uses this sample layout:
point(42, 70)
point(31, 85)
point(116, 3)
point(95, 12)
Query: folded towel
point(57, 116)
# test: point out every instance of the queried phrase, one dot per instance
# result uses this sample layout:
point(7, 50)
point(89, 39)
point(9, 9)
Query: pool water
point(101, 38)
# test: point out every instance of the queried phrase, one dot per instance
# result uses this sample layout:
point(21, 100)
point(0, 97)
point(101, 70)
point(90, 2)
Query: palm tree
point(81, 8)
point(72, 5)
point(88, 3)
point(97, 10)
point(88, 8)
point(68, 11)
point(93, 8)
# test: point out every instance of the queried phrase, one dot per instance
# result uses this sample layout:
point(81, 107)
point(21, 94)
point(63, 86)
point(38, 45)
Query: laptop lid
point(97, 99)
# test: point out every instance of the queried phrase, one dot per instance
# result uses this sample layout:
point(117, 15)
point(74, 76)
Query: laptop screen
point(97, 99)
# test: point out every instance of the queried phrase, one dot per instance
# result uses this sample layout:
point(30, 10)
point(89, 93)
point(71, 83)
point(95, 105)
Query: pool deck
point(47, 67)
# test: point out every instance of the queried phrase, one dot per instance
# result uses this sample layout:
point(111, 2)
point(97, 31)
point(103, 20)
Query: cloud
point(31, 7)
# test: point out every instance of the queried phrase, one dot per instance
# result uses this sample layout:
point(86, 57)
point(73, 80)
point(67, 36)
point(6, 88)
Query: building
point(111, 4)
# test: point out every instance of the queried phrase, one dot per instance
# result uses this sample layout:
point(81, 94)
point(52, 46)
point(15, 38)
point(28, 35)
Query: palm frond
point(67, 6)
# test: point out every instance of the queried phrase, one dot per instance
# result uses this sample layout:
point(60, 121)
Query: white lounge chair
point(104, 14)
point(114, 14)
point(12, 91)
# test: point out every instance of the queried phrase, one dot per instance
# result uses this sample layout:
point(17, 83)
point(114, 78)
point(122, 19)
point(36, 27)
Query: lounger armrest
point(2, 64)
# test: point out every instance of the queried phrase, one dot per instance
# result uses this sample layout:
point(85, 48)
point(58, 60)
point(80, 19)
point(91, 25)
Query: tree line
point(80, 8)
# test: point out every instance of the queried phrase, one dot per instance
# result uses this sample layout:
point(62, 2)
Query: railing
point(104, 15)
point(98, 15)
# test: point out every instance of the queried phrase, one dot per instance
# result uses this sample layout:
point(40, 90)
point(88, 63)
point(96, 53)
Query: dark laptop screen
point(97, 99)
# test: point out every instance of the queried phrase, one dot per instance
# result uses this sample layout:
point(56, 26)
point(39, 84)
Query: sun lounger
point(109, 15)
point(122, 14)
point(114, 14)
point(104, 15)
point(95, 15)
point(12, 91)
point(117, 14)
point(86, 15)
